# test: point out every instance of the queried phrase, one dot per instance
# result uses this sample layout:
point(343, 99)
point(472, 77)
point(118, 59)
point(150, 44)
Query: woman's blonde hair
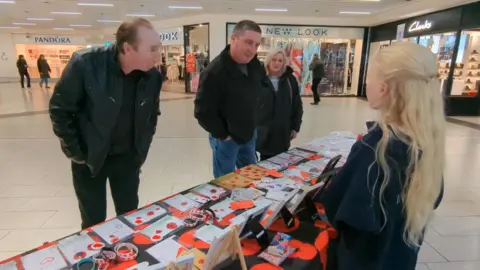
point(415, 115)
point(271, 54)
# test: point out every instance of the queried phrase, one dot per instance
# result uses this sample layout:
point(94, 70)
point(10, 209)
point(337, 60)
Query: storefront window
point(339, 48)
point(467, 67)
point(197, 48)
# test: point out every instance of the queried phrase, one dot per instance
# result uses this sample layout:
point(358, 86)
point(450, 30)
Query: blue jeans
point(228, 154)
point(42, 80)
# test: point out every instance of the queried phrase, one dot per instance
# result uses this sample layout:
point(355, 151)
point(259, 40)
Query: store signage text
point(418, 26)
point(61, 40)
point(169, 36)
point(300, 32)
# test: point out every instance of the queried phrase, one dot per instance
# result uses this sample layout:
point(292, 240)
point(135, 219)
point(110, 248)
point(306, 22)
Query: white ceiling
point(381, 11)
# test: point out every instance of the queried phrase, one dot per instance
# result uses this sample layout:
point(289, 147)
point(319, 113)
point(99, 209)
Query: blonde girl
point(383, 198)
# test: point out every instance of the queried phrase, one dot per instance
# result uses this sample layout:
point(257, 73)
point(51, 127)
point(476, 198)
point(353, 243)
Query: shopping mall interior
point(38, 203)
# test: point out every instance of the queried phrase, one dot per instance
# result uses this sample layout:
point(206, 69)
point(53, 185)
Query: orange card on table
point(314, 157)
point(240, 205)
point(275, 173)
point(232, 181)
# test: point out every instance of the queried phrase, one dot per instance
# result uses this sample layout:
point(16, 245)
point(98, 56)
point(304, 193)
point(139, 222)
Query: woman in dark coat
point(44, 70)
point(275, 136)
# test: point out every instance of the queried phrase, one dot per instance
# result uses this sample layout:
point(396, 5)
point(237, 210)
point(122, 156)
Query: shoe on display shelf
point(474, 52)
point(467, 88)
point(468, 81)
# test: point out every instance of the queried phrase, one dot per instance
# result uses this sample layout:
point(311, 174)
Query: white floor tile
point(464, 248)
point(24, 240)
point(428, 254)
point(421, 266)
point(24, 219)
point(454, 266)
point(11, 204)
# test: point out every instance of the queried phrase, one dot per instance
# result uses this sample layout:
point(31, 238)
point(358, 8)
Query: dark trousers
point(265, 157)
point(315, 84)
point(123, 173)
point(22, 79)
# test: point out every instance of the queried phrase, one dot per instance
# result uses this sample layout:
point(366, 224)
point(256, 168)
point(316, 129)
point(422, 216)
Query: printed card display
point(291, 158)
point(208, 233)
point(113, 231)
point(279, 161)
point(181, 203)
point(271, 166)
point(253, 172)
point(312, 171)
point(140, 266)
point(295, 202)
point(282, 196)
point(277, 184)
point(298, 174)
point(200, 199)
point(232, 181)
point(199, 257)
point(163, 227)
point(276, 260)
point(245, 194)
point(11, 265)
point(44, 259)
point(77, 247)
point(210, 191)
point(166, 251)
point(145, 215)
point(300, 153)
point(222, 209)
point(216, 249)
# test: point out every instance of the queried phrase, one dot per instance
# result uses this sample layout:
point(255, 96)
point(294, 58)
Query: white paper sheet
point(113, 231)
point(166, 251)
point(181, 203)
point(76, 245)
point(145, 215)
point(158, 230)
point(45, 259)
point(208, 233)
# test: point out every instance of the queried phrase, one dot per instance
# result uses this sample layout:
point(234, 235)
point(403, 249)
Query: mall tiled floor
point(37, 202)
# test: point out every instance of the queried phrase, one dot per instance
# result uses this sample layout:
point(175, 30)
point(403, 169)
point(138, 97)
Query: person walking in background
point(44, 70)
point(104, 109)
point(318, 72)
point(275, 138)
point(22, 67)
point(383, 198)
point(228, 99)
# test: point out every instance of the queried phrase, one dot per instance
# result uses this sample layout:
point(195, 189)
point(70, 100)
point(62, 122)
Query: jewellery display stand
point(229, 247)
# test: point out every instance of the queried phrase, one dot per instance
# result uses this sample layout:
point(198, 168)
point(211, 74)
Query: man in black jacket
point(318, 72)
point(23, 71)
point(104, 110)
point(227, 101)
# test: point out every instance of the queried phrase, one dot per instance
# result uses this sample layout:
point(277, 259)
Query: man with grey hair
point(229, 98)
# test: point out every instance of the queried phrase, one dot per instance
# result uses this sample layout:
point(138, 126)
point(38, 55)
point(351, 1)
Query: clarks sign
point(51, 39)
point(420, 26)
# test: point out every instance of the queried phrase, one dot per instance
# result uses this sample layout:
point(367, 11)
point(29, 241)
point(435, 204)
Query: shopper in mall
point(318, 72)
point(227, 99)
point(383, 198)
point(275, 137)
point(44, 70)
point(104, 109)
point(22, 67)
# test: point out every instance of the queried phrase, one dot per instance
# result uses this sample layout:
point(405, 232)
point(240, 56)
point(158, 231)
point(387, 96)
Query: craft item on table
point(320, 164)
point(11, 265)
point(222, 209)
point(272, 213)
point(198, 216)
point(342, 135)
point(315, 145)
point(293, 159)
point(208, 233)
point(240, 221)
point(232, 181)
point(225, 246)
point(78, 247)
point(296, 200)
point(182, 263)
point(276, 184)
point(314, 172)
point(279, 244)
point(253, 172)
point(113, 231)
point(145, 215)
point(271, 166)
point(242, 205)
point(242, 194)
point(158, 230)
point(283, 195)
point(300, 153)
point(126, 252)
point(284, 163)
point(198, 198)
point(46, 259)
point(140, 266)
point(181, 203)
point(87, 263)
point(105, 258)
point(199, 257)
point(210, 191)
point(298, 175)
point(166, 251)
point(276, 260)
point(261, 205)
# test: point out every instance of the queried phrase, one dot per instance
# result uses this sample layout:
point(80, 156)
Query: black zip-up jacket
point(22, 66)
point(274, 137)
point(43, 68)
point(227, 100)
point(86, 102)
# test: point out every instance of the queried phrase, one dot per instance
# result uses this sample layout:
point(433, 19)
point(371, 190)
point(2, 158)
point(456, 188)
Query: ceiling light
point(39, 19)
point(7, 2)
point(355, 12)
point(68, 29)
point(109, 21)
point(272, 9)
point(66, 13)
point(10, 27)
point(185, 7)
point(140, 15)
point(24, 23)
point(80, 25)
point(95, 4)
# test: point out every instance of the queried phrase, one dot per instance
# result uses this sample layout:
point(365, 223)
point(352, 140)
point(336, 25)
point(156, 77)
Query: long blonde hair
point(415, 115)
point(269, 57)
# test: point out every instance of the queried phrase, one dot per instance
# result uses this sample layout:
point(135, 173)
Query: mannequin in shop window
point(383, 198)
point(274, 137)
point(22, 67)
point(44, 70)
